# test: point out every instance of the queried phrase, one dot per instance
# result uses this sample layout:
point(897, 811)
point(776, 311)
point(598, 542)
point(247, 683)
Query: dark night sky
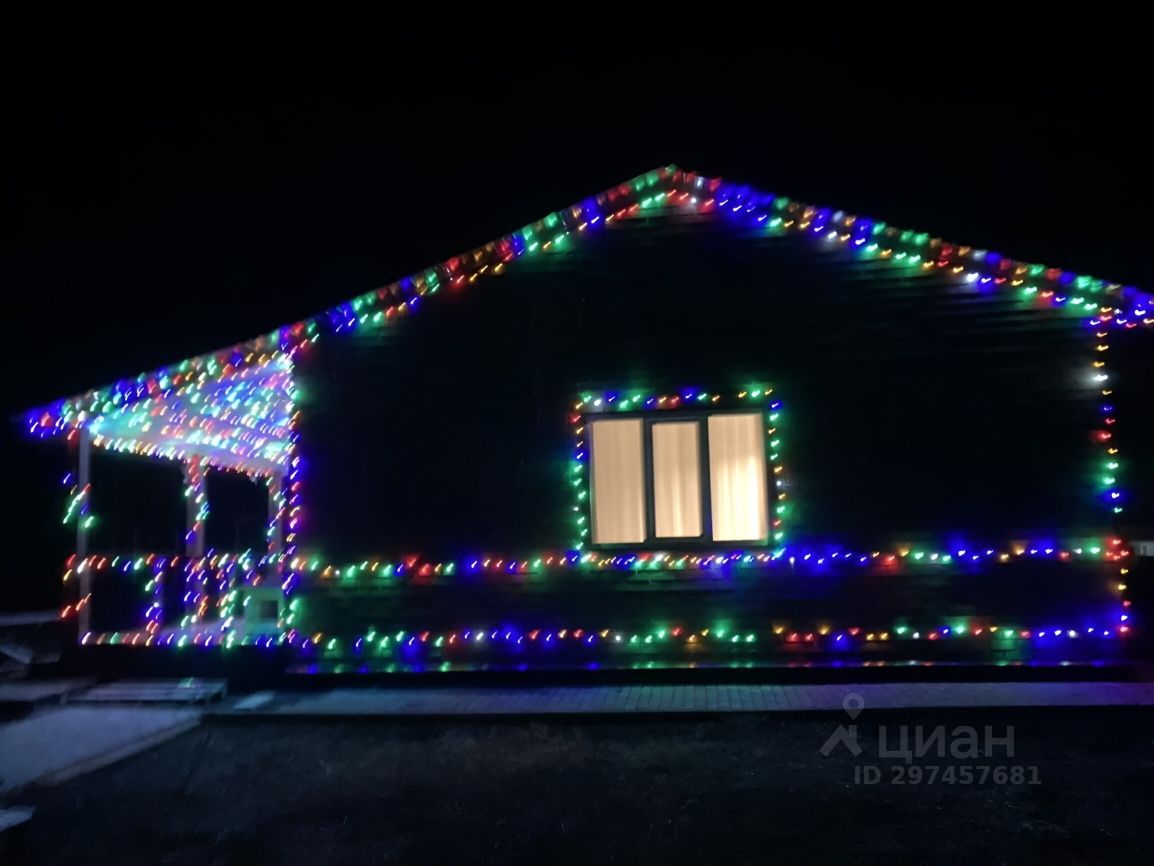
point(172, 191)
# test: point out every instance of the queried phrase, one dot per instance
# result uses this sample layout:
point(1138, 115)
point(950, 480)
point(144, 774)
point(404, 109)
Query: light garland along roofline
point(452, 273)
point(668, 185)
point(68, 413)
point(242, 419)
point(715, 195)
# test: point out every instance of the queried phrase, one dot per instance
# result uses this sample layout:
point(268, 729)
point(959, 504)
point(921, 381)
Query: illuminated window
point(618, 482)
point(679, 477)
point(737, 477)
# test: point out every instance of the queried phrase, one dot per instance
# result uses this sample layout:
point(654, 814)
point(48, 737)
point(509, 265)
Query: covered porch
point(210, 416)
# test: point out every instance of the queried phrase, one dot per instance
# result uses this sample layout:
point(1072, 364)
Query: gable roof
point(234, 407)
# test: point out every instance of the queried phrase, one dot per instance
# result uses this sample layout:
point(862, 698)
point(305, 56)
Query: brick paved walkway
point(611, 699)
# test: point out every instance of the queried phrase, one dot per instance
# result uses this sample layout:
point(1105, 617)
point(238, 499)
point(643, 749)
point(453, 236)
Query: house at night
point(680, 422)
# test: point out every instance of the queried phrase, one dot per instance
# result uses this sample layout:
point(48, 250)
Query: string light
point(668, 186)
point(78, 508)
point(237, 409)
point(603, 641)
point(233, 574)
point(197, 495)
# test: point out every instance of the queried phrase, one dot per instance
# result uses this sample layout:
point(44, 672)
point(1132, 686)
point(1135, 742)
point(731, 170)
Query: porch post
point(83, 480)
point(274, 529)
point(196, 507)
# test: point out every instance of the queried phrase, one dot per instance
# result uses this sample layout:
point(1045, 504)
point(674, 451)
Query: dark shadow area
point(238, 512)
point(138, 504)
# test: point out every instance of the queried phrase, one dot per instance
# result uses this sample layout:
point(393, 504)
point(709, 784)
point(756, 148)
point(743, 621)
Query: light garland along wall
point(218, 587)
point(214, 591)
point(1103, 307)
point(213, 586)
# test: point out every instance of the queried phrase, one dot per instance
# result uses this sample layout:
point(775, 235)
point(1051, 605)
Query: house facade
point(682, 422)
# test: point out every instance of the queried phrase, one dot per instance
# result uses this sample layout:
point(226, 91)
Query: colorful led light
point(403, 642)
point(235, 409)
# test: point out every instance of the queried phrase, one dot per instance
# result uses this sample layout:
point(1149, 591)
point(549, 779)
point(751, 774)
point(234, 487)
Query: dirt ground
point(725, 791)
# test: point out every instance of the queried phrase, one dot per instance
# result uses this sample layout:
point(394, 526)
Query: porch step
point(21, 693)
point(58, 743)
point(185, 691)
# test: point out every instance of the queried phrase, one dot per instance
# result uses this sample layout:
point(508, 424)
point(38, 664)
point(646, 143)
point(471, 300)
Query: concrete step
point(21, 695)
point(56, 744)
point(185, 691)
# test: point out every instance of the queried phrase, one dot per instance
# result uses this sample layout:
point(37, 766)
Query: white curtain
point(676, 480)
point(737, 478)
point(618, 481)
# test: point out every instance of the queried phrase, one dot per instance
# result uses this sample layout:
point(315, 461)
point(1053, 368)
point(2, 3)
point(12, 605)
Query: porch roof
point(230, 418)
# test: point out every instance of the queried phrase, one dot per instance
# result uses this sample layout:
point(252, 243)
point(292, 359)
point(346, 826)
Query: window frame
point(694, 407)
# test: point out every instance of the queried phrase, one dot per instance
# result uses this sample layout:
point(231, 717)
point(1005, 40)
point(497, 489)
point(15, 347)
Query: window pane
point(618, 481)
point(738, 492)
point(676, 480)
